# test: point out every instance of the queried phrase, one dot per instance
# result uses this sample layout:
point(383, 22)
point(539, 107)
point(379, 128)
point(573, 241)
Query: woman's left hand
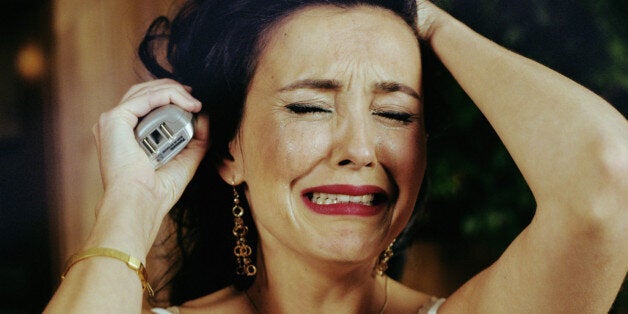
point(430, 17)
point(571, 147)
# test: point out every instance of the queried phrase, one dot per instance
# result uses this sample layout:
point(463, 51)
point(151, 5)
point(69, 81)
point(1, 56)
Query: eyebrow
point(386, 87)
point(391, 87)
point(313, 84)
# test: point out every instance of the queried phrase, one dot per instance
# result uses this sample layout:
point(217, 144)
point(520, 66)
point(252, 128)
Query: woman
point(328, 154)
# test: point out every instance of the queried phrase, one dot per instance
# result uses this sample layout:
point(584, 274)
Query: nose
point(355, 143)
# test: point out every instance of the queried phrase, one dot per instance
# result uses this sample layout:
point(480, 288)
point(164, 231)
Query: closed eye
point(396, 116)
point(305, 108)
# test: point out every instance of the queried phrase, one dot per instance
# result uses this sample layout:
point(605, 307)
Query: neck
point(291, 284)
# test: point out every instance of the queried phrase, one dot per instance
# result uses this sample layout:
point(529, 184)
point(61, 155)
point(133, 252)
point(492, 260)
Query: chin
point(350, 242)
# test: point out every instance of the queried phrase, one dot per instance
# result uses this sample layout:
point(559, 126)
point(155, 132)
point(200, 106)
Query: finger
point(115, 127)
point(159, 94)
point(163, 95)
point(148, 87)
point(179, 171)
point(201, 131)
point(197, 148)
point(135, 89)
point(135, 107)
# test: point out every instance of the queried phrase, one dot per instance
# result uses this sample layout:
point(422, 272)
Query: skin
point(331, 121)
point(571, 258)
point(572, 148)
point(342, 138)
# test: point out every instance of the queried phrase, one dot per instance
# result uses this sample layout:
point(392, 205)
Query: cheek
point(282, 155)
point(407, 157)
point(404, 156)
point(286, 151)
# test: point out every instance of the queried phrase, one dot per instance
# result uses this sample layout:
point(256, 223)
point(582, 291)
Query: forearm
point(136, 199)
point(572, 148)
point(98, 285)
point(568, 142)
point(104, 284)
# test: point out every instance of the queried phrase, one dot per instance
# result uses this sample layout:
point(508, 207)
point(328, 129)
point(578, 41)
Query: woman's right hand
point(137, 197)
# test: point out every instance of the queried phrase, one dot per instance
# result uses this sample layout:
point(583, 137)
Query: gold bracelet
point(133, 263)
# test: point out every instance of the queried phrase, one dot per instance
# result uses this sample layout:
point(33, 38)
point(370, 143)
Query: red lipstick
point(344, 199)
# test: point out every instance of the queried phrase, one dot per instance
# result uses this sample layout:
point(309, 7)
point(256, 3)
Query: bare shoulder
point(227, 300)
point(402, 299)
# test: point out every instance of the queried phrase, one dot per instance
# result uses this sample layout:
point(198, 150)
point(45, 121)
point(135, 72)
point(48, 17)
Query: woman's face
point(332, 144)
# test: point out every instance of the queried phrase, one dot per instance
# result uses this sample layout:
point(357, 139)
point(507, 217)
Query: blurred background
point(63, 62)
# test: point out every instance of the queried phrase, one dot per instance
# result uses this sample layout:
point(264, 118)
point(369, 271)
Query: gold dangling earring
point(382, 263)
point(241, 250)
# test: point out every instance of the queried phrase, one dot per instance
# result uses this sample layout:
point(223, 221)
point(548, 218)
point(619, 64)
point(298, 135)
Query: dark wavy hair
point(213, 46)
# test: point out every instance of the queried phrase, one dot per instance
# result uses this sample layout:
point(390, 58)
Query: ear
point(232, 170)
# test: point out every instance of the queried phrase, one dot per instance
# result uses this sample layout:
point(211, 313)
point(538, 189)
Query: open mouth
point(345, 200)
point(319, 198)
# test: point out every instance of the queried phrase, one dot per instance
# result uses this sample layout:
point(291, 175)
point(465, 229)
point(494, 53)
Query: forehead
point(320, 41)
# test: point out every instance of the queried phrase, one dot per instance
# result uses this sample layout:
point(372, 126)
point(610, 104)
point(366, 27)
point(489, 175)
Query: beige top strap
point(170, 310)
point(432, 306)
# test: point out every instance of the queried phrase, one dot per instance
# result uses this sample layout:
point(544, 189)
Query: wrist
point(120, 237)
point(132, 263)
point(431, 19)
point(129, 224)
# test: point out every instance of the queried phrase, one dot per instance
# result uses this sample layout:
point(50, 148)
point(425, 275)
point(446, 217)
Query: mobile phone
point(164, 132)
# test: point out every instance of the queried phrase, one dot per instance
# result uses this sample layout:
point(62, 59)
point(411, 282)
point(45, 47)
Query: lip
point(346, 208)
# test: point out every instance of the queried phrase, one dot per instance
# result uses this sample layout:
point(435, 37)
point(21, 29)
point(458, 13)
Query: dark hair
point(213, 46)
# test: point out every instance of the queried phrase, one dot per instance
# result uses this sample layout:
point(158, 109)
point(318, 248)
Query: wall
point(95, 63)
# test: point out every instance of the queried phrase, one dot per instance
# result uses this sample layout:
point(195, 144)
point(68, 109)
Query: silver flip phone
point(164, 132)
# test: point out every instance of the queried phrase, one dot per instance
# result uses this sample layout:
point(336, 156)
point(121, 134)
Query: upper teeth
point(326, 198)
